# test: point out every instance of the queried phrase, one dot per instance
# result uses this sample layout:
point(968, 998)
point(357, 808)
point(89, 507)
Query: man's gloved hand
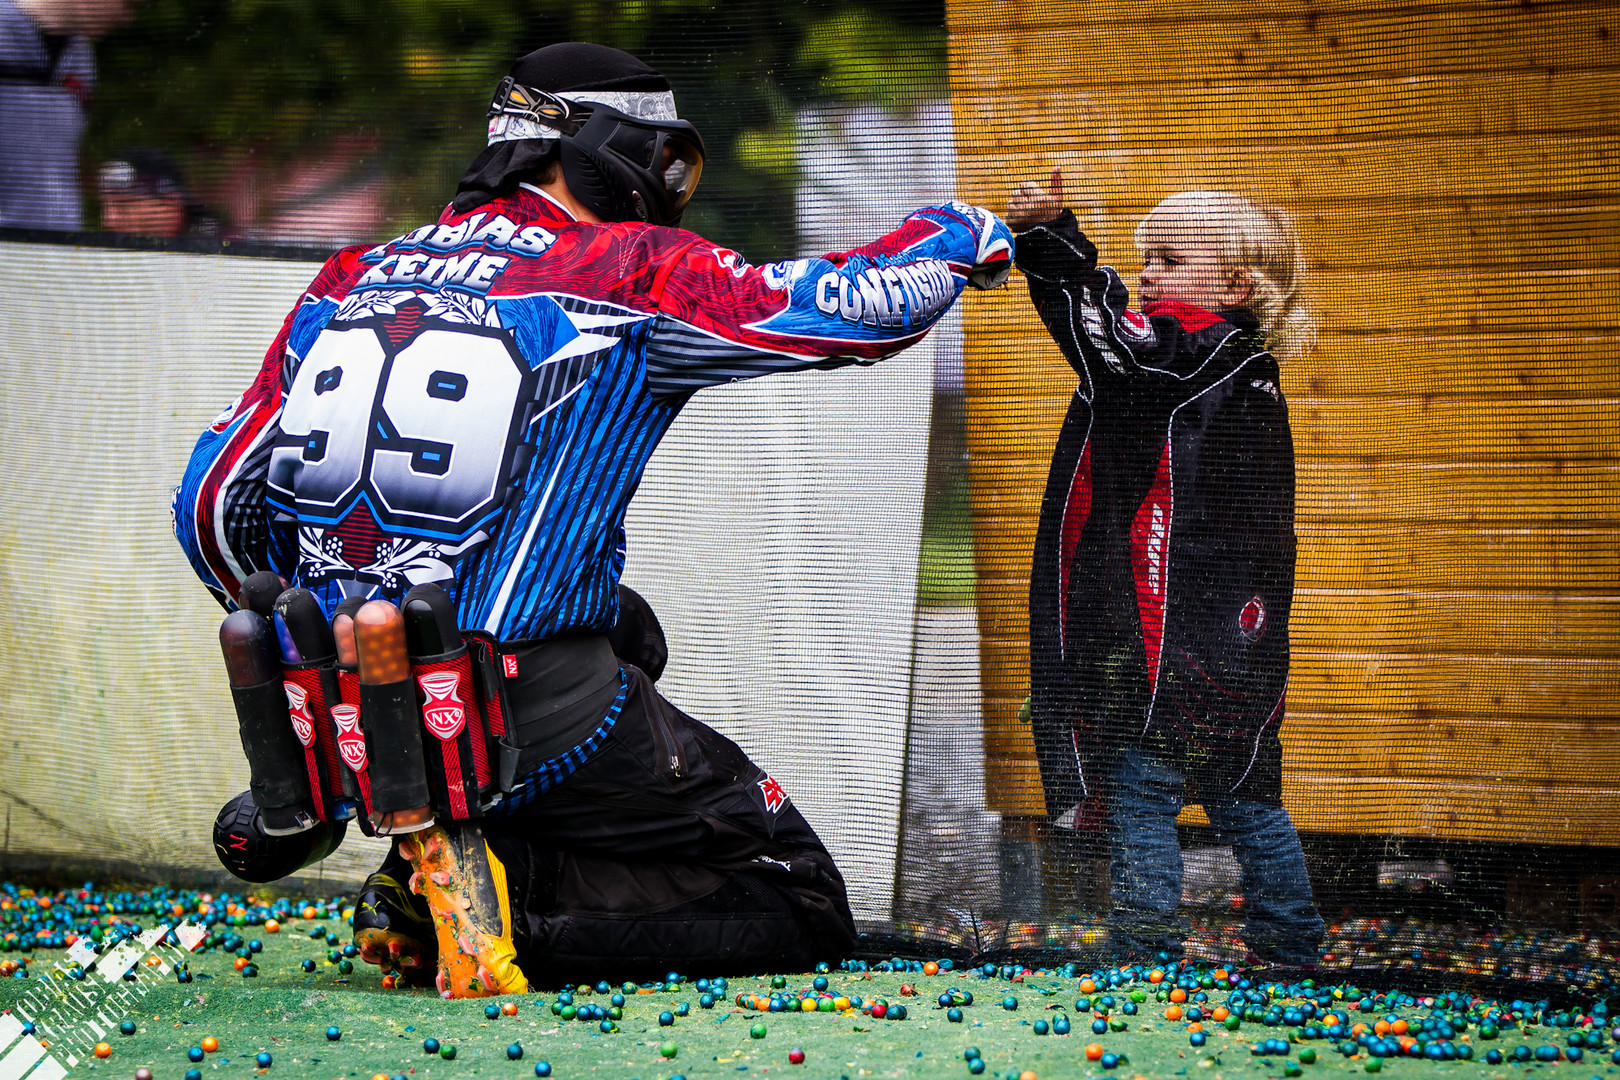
point(1056, 250)
point(992, 262)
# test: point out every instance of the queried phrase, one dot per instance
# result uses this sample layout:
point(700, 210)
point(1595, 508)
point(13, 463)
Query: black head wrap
point(559, 69)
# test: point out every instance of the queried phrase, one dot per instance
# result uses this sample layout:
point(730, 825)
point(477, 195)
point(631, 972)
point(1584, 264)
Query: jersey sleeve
point(720, 320)
point(220, 516)
point(1086, 309)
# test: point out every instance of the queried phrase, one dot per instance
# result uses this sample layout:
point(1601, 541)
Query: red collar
point(1190, 316)
point(525, 204)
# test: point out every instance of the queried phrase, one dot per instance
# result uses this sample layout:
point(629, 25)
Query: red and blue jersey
point(474, 403)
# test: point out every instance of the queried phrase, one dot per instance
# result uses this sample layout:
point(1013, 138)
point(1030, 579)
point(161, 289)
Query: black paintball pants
point(667, 850)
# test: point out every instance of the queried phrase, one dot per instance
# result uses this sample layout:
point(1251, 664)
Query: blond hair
point(1253, 237)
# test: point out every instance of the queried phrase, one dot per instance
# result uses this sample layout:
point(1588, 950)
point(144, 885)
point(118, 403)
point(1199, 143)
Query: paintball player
point(471, 406)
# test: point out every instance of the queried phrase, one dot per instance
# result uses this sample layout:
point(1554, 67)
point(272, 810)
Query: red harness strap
point(311, 718)
point(351, 738)
point(452, 714)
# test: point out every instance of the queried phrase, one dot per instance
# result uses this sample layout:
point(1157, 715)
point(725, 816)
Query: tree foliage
point(236, 88)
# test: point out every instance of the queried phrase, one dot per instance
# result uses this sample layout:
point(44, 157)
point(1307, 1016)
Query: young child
point(1163, 567)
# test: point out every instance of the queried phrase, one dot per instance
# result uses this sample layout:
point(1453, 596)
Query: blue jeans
point(1281, 927)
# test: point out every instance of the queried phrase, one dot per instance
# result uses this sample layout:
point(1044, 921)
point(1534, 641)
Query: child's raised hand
point(1033, 202)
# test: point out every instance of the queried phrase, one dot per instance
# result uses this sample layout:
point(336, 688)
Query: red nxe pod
point(309, 656)
point(452, 712)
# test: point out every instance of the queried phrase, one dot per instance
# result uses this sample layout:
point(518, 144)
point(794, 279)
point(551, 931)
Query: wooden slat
point(1582, 808)
point(995, 57)
point(1450, 238)
point(1351, 683)
point(1017, 356)
point(1458, 752)
point(1001, 547)
point(1448, 749)
point(1415, 689)
point(1109, 214)
point(1575, 813)
point(1352, 493)
point(1512, 302)
point(1399, 685)
point(1513, 366)
point(1577, 561)
point(1008, 424)
point(1009, 648)
point(1055, 20)
point(1585, 562)
point(1141, 114)
point(1458, 624)
point(1416, 172)
point(1483, 749)
point(1563, 303)
point(1004, 621)
point(1475, 624)
point(1012, 779)
point(1579, 493)
point(1388, 430)
point(1006, 685)
point(1439, 240)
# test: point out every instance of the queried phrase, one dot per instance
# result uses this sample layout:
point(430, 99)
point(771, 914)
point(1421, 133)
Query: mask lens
point(668, 154)
point(683, 163)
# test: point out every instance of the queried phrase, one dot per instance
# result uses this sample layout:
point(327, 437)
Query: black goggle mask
point(654, 164)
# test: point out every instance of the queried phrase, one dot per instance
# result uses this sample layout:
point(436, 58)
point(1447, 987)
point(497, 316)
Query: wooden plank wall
point(1454, 168)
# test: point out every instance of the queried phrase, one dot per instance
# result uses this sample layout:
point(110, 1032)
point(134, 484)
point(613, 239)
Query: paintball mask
point(625, 155)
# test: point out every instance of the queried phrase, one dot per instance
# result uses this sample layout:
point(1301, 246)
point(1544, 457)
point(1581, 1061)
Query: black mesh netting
point(843, 561)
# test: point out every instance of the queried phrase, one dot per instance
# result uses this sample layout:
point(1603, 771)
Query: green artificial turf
point(286, 1011)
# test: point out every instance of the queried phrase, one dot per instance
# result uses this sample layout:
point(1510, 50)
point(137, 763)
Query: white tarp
point(776, 534)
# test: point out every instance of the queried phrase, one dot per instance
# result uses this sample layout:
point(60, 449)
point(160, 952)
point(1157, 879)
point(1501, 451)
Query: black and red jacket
point(1163, 569)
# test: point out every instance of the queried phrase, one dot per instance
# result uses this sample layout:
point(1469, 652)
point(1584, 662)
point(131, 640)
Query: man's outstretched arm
point(721, 319)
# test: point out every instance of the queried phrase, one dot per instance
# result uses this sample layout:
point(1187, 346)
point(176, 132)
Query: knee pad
point(252, 854)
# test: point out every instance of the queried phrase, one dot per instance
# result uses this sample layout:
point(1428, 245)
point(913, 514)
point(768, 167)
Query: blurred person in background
point(144, 194)
point(47, 72)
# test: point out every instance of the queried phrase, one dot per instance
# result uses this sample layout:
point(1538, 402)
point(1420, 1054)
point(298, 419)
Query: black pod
point(276, 763)
point(259, 592)
point(251, 853)
point(388, 711)
point(394, 743)
point(309, 649)
point(430, 622)
point(306, 625)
